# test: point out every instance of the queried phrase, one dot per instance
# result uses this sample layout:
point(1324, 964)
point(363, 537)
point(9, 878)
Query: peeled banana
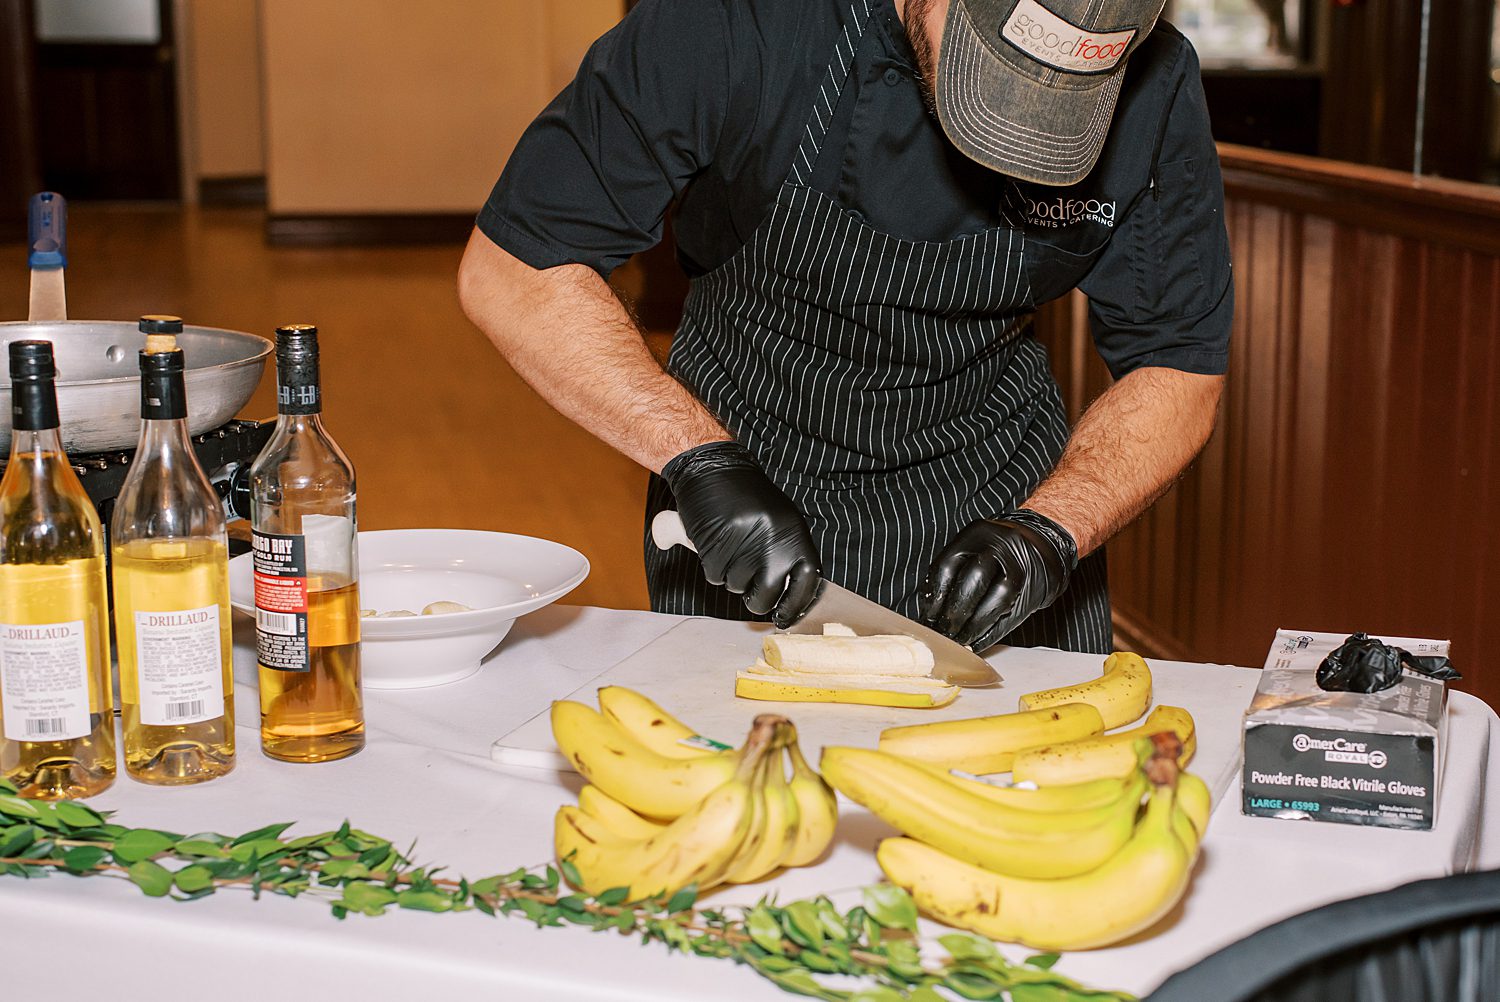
point(1126, 894)
point(1121, 694)
point(1105, 756)
point(990, 744)
point(646, 781)
point(992, 835)
point(839, 654)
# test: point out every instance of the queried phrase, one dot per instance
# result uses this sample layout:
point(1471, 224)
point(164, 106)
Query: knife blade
point(952, 662)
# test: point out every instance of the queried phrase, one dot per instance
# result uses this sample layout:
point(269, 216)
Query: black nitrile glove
point(994, 574)
point(749, 535)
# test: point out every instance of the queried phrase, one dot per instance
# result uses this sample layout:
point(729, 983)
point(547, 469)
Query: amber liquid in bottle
point(306, 572)
point(57, 723)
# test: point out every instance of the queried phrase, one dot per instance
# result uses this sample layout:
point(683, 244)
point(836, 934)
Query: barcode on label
point(189, 708)
point(284, 623)
point(42, 726)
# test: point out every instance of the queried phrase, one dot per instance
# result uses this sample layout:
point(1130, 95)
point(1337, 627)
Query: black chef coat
point(703, 102)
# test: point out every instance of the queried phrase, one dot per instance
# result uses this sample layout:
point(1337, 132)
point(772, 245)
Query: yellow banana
point(1104, 756)
point(780, 827)
point(646, 781)
point(1121, 694)
point(1129, 893)
point(755, 835)
point(1196, 800)
point(990, 744)
point(817, 809)
point(694, 849)
point(649, 724)
point(995, 836)
point(1047, 799)
point(616, 816)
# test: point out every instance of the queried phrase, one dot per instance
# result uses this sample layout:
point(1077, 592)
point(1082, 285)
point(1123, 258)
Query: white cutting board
point(690, 671)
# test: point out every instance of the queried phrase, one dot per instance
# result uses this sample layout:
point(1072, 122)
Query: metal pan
point(98, 378)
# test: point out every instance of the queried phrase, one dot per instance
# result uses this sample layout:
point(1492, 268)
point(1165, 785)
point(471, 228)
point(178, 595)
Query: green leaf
point(573, 903)
point(877, 993)
point(262, 848)
point(833, 925)
point(802, 924)
point(1046, 961)
point(891, 906)
point(570, 872)
point(613, 896)
point(362, 897)
point(201, 849)
point(192, 879)
point(16, 807)
point(272, 832)
point(925, 993)
point(141, 843)
point(488, 886)
point(961, 947)
point(78, 815)
point(6, 786)
point(425, 901)
point(484, 906)
point(83, 858)
point(152, 878)
point(683, 899)
point(17, 838)
point(972, 986)
point(764, 930)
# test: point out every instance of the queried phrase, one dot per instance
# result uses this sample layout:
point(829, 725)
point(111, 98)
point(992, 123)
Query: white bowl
point(500, 576)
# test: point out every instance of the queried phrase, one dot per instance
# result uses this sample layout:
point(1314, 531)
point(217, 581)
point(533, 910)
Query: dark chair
point(1430, 941)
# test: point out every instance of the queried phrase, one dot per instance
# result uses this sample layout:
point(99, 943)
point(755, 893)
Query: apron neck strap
point(856, 16)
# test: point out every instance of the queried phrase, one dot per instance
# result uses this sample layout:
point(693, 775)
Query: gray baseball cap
point(1028, 87)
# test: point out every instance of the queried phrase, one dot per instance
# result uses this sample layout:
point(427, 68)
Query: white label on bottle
point(44, 681)
point(180, 664)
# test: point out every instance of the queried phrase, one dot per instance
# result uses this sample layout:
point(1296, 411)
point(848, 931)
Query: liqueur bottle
point(57, 723)
point(170, 562)
point(306, 571)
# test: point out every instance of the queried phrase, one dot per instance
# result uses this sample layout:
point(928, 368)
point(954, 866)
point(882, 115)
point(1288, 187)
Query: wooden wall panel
point(1353, 481)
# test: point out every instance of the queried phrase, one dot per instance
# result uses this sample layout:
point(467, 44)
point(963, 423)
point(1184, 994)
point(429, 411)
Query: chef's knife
point(47, 256)
point(953, 662)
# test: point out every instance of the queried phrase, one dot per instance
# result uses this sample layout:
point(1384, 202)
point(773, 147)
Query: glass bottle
point(57, 723)
point(306, 571)
point(170, 563)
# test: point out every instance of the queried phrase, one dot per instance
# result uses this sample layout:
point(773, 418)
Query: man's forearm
point(568, 337)
point(1128, 448)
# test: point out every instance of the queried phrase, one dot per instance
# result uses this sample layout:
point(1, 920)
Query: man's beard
point(915, 21)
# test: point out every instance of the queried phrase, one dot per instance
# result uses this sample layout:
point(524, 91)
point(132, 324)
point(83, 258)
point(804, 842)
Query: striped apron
point(892, 388)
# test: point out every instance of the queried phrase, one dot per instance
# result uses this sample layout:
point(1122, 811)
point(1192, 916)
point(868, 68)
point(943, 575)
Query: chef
point(871, 198)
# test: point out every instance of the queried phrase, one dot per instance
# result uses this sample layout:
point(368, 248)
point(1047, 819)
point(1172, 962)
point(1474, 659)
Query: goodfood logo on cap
point(1049, 39)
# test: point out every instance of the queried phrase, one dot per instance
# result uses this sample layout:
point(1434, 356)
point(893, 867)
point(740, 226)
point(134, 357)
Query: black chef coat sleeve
point(1161, 292)
point(591, 178)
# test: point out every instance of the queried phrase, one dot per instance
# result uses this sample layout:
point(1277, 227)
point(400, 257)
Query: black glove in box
point(1347, 757)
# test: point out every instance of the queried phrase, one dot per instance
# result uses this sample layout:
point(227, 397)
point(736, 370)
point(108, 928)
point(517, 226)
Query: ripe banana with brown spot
point(817, 808)
point(1127, 894)
point(1121, 694)
point(990, 744)
point(1105, 756)
point(778, 830)
point(644, 780)
point(651, 725)
point(616, 816)
point(992, 835)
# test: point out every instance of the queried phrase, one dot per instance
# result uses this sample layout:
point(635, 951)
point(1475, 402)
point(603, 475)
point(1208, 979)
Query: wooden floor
point(441, 431)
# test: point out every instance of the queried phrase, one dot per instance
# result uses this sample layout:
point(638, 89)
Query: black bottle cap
point(297, 390)
point(33, 398)
point(159, 323)
point(153, 362)
point(32, 361)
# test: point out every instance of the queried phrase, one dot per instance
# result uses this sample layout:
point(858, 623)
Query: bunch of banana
point(1125, 893)
point(665, 807)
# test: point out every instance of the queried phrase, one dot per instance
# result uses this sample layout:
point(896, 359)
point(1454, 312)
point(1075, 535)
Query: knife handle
point(667, 531)
point(47, 218)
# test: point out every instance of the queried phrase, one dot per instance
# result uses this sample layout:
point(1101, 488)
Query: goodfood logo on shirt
point(1063, 210)
point(1049, 39)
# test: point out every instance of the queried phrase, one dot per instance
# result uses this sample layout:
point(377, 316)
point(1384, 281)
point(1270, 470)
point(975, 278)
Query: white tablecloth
point(426, 775)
